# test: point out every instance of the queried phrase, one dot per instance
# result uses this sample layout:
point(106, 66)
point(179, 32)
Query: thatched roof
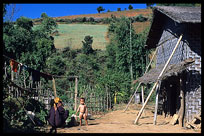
point(171, 70)
point(181, 14)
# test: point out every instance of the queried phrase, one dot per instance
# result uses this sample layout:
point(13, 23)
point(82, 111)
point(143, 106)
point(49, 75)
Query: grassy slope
point(73, 34)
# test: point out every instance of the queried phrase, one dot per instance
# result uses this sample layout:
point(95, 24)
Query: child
point(83, 111)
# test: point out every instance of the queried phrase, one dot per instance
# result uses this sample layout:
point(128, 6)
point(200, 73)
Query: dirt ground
point(118, 121)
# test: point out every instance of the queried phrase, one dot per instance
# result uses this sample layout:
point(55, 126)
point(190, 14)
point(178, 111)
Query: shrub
point(140, 18)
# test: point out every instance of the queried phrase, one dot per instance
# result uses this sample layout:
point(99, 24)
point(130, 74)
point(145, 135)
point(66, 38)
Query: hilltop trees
point(130, 7)
point(100, 8)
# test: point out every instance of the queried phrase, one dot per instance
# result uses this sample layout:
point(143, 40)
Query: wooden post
point(107, 97)
point(24, 78)
point(12, 78)
point(131, 73)
point(76, 91)
point(104, 103)
point(156, 104)
point(110, 99)
point(142, 91)
point(54, 88)
point(40, 91)
point(165, 66)
point(140, 82)
point(95, 102)
point(181, 111)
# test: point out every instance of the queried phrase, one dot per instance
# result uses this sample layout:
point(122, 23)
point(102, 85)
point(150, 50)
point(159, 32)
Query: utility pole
point(131, 74)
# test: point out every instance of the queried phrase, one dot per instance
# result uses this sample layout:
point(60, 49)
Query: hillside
point(127, 13)
point(72, 34)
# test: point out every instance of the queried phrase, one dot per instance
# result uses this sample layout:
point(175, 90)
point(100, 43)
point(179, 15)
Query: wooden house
point(182, 78)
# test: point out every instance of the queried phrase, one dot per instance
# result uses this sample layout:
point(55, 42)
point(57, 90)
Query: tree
point(100, 8)
point(87, 45)
point(119, 48)
point(27, 45)
point(149, 4)
point(48, 24)
point(24, 23)
point(9, 12)
point(4, 9)
point(130, 7)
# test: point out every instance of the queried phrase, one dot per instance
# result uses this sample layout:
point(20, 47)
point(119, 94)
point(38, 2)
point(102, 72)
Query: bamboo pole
point(156, 104)
point(140, 112)
point(140, 82)
point(142, 90)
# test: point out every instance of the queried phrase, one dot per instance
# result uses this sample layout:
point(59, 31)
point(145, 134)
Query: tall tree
point(130, 7)
point(100, 8)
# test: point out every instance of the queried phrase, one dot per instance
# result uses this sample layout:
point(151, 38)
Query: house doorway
point(169, 93)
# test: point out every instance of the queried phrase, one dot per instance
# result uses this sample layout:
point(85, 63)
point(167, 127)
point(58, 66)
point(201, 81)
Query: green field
point(72, 35)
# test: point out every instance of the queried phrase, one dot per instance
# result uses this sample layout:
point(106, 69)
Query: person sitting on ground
point(83, 111)
point(57, 115)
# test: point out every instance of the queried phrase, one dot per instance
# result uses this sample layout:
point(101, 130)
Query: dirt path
point(122, 122)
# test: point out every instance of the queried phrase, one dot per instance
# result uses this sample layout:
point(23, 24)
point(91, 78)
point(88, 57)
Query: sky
point(56, 10)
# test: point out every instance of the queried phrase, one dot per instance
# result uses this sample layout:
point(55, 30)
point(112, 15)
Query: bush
point(140, 18)
point(15, 117)
point(91, 19)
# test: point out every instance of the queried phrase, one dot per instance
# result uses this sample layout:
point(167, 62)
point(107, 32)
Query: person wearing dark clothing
point(57, 115)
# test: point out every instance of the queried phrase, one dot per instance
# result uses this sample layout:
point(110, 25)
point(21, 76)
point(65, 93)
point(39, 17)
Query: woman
point(57, 115)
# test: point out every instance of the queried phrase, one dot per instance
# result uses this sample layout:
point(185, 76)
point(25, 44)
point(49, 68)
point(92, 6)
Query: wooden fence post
point(12, 78)
point(110, 98)
point(107, 98)
point(54, 88)
point(140, 112)
point(76, 91)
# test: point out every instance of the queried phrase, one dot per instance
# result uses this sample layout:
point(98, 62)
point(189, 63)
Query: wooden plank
point(140, 112)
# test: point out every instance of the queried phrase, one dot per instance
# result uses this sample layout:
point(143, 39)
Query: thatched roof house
point(169, 22)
